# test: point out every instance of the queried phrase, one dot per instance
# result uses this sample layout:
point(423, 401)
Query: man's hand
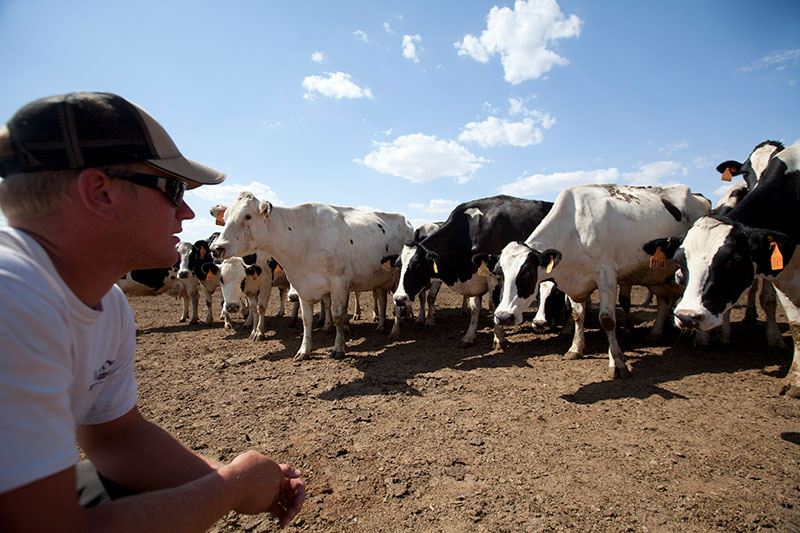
point(263, 485)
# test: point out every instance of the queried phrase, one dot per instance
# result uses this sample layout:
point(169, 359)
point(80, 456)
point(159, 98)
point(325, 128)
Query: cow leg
point(769, 304)
point(475, 303)
point(433, 292)
point(185, 297)
point(379, 297)
point(625, 304)
point(499, 341)
point(422, 299)
point(578, 339)
point(607, 289)
point(193, 300)
point(751, 313)
point(282, 301)
point(357, 299)
point(464, 305)
point(725, 328)
point(338, 309)
point(261, 308)
point(791, 383)
point(307, 314)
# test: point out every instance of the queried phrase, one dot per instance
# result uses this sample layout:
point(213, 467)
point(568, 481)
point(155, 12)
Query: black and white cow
point(156, 281)
point(589, 241)
point(195, 277)
point(324, 249)
point(473, 228)
point(250, 282)
point(720, 256)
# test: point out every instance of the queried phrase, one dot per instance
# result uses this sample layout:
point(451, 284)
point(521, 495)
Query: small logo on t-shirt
point(101, 373)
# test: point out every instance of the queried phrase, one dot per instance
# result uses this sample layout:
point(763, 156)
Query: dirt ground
point(424, 435)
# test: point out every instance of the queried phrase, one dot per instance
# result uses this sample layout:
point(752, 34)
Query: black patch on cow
point(351, 241)
point(419, 270)
point(730, 273)
point(674, 211)
point(150, 277)
point(383, 230)
point(250, 259)
point(527, 276)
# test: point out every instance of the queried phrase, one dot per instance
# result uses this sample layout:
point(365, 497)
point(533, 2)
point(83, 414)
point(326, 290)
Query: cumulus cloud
point(436, 206)
point(499, 132)
point(225, 194)
point(422, 158)
point(410, 47)
point(317, 57)
point(521, 37)
point(674, 147)
point(530, 186)
point(388, 28)
point(654, 173)
point(361, 36)
point(336, 85)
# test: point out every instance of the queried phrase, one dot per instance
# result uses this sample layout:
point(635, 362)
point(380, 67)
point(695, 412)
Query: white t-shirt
point(62, 363)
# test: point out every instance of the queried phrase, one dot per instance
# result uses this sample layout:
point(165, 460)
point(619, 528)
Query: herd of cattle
point(695, 260)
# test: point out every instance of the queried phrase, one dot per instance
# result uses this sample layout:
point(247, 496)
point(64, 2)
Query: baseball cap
point(90, 129)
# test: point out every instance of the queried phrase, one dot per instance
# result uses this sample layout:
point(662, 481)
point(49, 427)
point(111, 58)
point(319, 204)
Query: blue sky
point(416, 106)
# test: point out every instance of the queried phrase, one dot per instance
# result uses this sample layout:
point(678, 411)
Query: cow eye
point(247, 217)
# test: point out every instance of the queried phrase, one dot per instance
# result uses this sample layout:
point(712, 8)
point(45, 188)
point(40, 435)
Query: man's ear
point(97, 193)
point(771, 251)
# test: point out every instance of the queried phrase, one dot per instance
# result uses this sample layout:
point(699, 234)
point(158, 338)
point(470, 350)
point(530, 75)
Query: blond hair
point(32, 195)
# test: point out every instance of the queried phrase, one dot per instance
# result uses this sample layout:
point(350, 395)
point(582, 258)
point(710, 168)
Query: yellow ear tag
point(220, 220)
point(483, 270)
point(776, 259)
point(550, 265)
point(658, 261)
point(727, 175)
point(435, 268)
point(386, 266)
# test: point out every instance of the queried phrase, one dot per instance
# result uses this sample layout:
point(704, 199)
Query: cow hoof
point(464, 343)
point(299, 356)
point(750, 318)
point(571, 356)
point(393, 337)
point(338, 354)
point(620, 372)
point(193, 321)
point(790, 390)
point(776, 343)
point(499, 345)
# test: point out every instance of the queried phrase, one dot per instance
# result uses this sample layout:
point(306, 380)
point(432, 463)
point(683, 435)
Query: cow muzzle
point(183, 274)
point(402, 301)
point(232, 308)
point(502, 318)
point(218, 251)
point(693, 319)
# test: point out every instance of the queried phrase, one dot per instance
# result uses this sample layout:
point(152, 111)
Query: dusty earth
point(424, 435)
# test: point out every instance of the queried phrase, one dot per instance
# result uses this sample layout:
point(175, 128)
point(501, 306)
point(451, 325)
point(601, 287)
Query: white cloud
point(674, 147)
point(530, 186)
point(777, 60)
point(410, 48)
point(653, 173)
point(499, 132)
point(225, 194)
point(388, 28)
point(421, 158)
point(335, 85)
point(317, 57)
point(521, 36)
point(436, 206)
point(361, 36)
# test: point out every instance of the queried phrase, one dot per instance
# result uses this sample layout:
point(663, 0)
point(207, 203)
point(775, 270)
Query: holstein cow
point(323, 249)
point(155, 281)
point(252, 283)
point(482, 226)
point(591, 240)
point(195, 277)
point(720, 256)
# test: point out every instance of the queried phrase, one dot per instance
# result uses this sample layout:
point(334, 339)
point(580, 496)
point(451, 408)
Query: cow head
point(234, 276)
point(717, 260)
point(755, 165)
point(517, 273)
point(244, 226)
point(185, 252)
point(417, 266)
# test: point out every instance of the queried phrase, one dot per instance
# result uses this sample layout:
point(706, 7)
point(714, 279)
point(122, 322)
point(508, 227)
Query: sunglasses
point(173, 189)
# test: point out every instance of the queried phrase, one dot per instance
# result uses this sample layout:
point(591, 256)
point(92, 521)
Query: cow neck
point(452, 244)
point(773, 204)
point(283, 226)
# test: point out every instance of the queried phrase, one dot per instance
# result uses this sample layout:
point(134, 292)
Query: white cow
point(246, 282)
point(323, 249)
point(592, 239)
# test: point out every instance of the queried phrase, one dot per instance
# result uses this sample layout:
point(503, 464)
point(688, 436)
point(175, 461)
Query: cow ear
point(549, 259)
point(490, 260)
point(250, 259)
point(669, 246)
point(388, 261)
point(734, 168)
point(771, 251)
point(218, 212)
point(265, 208)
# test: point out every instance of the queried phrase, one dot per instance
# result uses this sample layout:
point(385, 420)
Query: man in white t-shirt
point(93, 188)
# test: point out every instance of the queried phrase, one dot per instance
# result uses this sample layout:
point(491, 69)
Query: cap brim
point(193, 173)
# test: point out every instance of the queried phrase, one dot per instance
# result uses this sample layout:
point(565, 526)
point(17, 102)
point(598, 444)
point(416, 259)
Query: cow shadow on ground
point(682, 358)
point(179, 327)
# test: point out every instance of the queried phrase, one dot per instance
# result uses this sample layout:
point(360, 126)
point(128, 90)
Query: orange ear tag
point(550, 265)
point(435, 268)
point(202, 253)
point(220, 220)
point(776, 259)
point(386, 266)
point(483, 270)
point(210, 275)
point(727, 175)
point(255, 274)
point(278, 269)
point(658, 261)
